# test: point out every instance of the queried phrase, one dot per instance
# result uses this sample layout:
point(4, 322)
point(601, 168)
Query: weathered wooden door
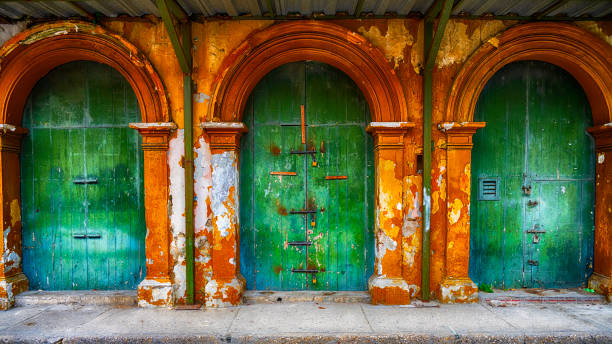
point(532, 180)
point(307, 185)
point(81, 181)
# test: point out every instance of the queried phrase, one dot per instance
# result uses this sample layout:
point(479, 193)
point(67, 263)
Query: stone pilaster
point(601, 279)
point(156, 289)
point(12, 279)
point(387, 285)
point(457, 287)
point(227, 284)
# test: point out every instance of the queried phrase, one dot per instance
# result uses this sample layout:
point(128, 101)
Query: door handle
point(85, 181)
point(86, 236)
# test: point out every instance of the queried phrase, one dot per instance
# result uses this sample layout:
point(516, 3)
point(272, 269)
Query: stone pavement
point(310, 322)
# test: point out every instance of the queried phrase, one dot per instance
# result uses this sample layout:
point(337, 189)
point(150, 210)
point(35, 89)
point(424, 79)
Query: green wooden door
point(306, 219)
point(81, 181)
point(532, 220)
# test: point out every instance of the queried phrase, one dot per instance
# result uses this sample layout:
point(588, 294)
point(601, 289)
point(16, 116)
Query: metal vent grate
point(488, 189)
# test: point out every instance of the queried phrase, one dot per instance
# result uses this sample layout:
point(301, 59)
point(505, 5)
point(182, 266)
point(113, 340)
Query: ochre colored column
point(457, 287)
point(601, 279)
point(12, 279)
point(156, 289)
point(227, 284)
point(387, 285)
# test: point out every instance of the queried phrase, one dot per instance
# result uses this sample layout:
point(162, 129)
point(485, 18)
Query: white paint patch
point(201, 97)
point(11, 260)
point(563, 189)
point(9, 30)
point(391, 124)
point(176, 152)
point(230, 125)
point(446, 126)
point(224, 177)
point(426, 209)
point(153, 125)
point(202, 184)
point(601, 157)
point(454, 215)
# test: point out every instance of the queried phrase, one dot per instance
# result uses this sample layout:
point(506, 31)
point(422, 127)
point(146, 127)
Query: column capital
point(603, 137)
point(459, 134)
point(10, 138)
point(224, 136)
point(155, 135)
point(389, 135)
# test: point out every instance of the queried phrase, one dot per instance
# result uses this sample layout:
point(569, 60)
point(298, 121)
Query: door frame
point(589, 60)
point(51, 45)
point(395, 279)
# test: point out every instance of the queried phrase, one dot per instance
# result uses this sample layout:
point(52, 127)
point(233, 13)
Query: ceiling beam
point(551, 8)
point(358, 8)
point(182, 50)
point(437, 39)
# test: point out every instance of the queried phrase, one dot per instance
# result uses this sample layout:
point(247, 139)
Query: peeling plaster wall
point(202, 217)
point(400, 40)
point(176, 156)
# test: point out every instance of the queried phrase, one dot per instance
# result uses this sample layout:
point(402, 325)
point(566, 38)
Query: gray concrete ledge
point(77, 297)
point(310, 323)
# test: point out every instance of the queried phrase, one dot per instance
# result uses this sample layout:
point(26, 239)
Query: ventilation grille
point(488, 189)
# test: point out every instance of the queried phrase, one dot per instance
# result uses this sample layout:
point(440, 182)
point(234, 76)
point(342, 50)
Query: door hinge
point(533, 262)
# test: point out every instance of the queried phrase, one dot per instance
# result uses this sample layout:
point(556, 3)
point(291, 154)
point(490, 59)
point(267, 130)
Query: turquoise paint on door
point(81, 181)
point(332, 247)
point(538, 231)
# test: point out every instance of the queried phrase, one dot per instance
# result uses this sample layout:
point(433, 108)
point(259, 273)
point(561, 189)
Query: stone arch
point(309, 40)
point(31, 54)
point(586, 57)
point(24, 60)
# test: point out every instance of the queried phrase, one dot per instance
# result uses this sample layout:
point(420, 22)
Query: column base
point(458, 290)
point(154, 293)
point(602, 285)
point(224, 293)
point(10, 287)
point(389, 291)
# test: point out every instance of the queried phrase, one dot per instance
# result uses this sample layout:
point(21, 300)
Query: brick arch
point(309, 40)
point(586, 57)
point(31, 54)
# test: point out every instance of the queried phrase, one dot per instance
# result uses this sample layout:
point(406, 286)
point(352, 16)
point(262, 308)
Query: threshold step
point(268, 296)
point(77, 297)
point(502, 298)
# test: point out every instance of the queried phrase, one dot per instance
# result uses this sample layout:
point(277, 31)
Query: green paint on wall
point(342, 237)
point(82, 236)
point(535, 138)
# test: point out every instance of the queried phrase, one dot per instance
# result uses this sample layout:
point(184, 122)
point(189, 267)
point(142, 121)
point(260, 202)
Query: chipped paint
point(152, 293)
point(202, 217)
point(393, 43)
point(596, 29)
point(459, 291)
point(15, 212)
point(176, 154)
point(460, 40)
point(601, 157)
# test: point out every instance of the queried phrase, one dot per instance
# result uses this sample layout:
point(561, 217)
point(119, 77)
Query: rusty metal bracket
point(305, 271)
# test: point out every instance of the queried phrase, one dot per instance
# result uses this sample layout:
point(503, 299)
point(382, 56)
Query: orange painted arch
point(289, 42)
point(586, 57)
point(31, 54)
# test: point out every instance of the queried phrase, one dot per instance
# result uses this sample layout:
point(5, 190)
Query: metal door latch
point(85, 181)
point(532, 203)
point(86, 236)
point(536, 229)
point(526, 190)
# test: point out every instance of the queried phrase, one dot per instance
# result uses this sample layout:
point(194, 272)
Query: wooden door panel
point(79, 234)
point(337, 232)
point(542, 115)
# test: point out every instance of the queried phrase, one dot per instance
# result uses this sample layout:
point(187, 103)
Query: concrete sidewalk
point(310, 322)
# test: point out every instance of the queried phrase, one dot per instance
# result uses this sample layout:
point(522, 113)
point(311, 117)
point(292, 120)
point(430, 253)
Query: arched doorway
point(306, 182)
point(82, 181)
point(532, 201)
